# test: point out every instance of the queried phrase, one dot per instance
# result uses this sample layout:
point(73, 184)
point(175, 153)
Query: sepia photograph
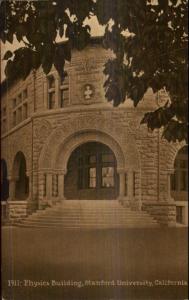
point(94, 149)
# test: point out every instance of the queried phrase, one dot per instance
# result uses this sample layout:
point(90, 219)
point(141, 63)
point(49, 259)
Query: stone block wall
point(164, 213)
point(17, 210)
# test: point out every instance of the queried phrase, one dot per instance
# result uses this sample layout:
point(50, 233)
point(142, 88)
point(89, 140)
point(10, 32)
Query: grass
point(129, 254)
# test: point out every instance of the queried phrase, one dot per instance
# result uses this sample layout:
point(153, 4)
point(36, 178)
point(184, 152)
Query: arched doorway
point(179, 183)
point(4, 181)
point(92, 173)
point(19, 173)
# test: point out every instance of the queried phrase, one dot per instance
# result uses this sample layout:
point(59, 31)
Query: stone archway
point(21, 181)
point(54, 157)
point(92, 173)
point(64, 149)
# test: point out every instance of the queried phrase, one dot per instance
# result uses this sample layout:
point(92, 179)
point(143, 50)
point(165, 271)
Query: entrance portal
point(92, 173)
point(22, 182)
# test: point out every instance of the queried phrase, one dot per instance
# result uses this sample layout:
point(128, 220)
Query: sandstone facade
point(48, 133)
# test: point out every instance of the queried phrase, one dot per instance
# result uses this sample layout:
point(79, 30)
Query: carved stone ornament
point(88, 92)
point(43, 129)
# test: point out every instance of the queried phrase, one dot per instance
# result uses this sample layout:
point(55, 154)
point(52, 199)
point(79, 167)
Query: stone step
point(89, 226)
point(89, 215)
point(93, 217)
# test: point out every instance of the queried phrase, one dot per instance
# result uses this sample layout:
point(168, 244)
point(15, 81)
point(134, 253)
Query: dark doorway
point(22, 181)
point(4, 181)
point(92, 173)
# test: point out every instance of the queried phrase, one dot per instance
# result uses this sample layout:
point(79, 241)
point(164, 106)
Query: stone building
point(62, 140)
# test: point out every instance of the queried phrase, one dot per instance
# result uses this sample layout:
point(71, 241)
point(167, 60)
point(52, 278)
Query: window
point(14, 103)
point(107, 177)
point(92, 177)
point(20, 107)
point(19, 99)
point(179, 180)
point(51, 100)
point(25, 111)
point(25, 94)
point(64, 90)
point(96, 170)
point(107, 158)
point(14, 119)
point(51, 92)
point(19, 115)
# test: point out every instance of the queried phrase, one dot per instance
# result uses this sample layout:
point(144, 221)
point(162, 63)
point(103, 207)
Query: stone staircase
point(89, 214)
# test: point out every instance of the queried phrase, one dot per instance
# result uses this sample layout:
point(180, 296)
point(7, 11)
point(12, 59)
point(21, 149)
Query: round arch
point(64, 150)
point(19, 174)
point(91, 173)
point(173, 150)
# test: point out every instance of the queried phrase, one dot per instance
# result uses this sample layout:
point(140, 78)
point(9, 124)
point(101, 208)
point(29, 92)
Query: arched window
point(92, 173)
point(179, 180)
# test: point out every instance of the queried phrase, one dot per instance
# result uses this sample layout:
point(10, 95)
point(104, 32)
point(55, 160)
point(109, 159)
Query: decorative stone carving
point(42, 130)
point(88, 92)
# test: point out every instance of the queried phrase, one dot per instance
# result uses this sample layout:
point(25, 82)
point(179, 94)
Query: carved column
point(49, 186)
point(130, 185)
point(169, 173)
point(12, 187)
point(121, 184)
point(61, 186)
point(29, 175)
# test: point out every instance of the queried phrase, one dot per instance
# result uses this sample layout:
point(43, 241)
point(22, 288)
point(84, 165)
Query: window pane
point(92, 177)
point(51, 100)
point(107, 157)
point(92, 182)
point(14, 103)
point(80, 179)
point(80, 161)
point(14, 118)
point(19, 99)
point(25, 94)
point(19, 115)
point(107, 176)
point(25, 111)
point(183, 164)
point(92, 159)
